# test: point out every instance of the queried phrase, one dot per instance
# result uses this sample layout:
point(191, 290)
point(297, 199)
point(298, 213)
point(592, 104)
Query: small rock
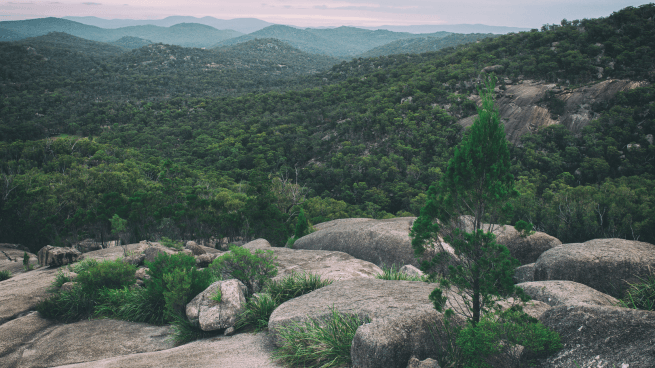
point(427, 363)
point(141, 274)
point(153, 251)
point(210, 315)
point(257, 244)
point(135, 260)
point(68, 286)
point(57, 256)
point(229, 331)
point(187, 251)
point(410, 270)
point(204, 260)
point(195, 248)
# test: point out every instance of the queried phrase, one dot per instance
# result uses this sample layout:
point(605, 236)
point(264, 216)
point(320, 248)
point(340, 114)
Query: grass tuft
point(393, 273)
point(4, 275)
point(185, 331)
point(641, 295)
point(320, 344)
point(257, 313)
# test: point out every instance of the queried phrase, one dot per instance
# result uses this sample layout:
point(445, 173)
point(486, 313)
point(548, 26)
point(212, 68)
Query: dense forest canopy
point(190, 143)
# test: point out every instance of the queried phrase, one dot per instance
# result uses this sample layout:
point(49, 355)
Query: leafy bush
point(167, 242)
point(251, 269)
point(67, 306)
point(260, 307)
point(641, 295)
point(393, 273)
point(129, 304)
point(26, 262)
point(319, 344)
point(60, 279)
point(107, 274)
point(4, 275)
point(83, 265)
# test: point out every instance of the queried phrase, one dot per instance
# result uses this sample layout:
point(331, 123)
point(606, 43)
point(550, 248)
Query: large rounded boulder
point(607, 265)
point(382, 242)
point(557, 292)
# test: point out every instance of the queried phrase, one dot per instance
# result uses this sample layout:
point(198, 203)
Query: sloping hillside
point(417, 45)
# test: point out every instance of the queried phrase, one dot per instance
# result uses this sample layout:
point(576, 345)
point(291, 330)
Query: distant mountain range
point(424, 44)
point(243, 25)
point(183, 34)
point(341, 42)
point(453, 28)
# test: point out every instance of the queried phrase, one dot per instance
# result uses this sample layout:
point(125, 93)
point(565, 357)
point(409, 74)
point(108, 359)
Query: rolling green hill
point(184, 34)
point(184, 148)
point(420, 45)
point(130, 42)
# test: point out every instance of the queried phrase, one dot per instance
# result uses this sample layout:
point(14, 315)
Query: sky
point(320, 13)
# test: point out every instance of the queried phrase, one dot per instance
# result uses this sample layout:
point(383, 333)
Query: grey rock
point(195, 248)
point(524, 273)
point(84, 341)
point(153, 251)
point(257, 244)
point(135, 259)
point(556, 293)
point(211, 315)
point(87, 245)
point(328, 265)
point(239, 351)
point(142, 273)
point(11, 259)
point(68, 286)
point(382, 242)
point(204, 260)
point(229, 331)
point(427, 363)
point(607, 265)
point(400, 314)
point(187, 252)
point(600, 336)
point(410, 270)
point(57, 256)
point(492, 68)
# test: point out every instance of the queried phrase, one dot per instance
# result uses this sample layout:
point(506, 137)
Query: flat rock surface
point(238, 351)
point(327, 264)
point(556, 293)
point(600, 336)
point(377, 241)
point(607, 265)
point(11, 260)
point(60, 344)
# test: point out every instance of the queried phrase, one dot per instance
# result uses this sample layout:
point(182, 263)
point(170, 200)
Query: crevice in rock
point(6, 255)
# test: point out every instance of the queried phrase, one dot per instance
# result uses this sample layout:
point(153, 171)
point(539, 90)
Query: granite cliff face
point(524, 107)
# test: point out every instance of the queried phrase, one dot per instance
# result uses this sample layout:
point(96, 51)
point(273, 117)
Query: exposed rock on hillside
point(328, 265)
point(523, 108)
point(556, 293)
point(11, 259)
point(377, 241)
point(607, 265)
point(601, 336)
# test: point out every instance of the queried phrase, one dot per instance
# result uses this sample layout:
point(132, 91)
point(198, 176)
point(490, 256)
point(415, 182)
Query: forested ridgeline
point(153, 146)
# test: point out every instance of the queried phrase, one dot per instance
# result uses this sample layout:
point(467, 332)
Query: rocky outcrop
point(210, 314)
point(57, 256)
point(427, 363)
point(607, 265)
point(238, 351)
point(556, 293)
point(411, 271)
point(204, 260)
point(377, 241)
point(524, 273)
point(400, 313)
point(11, 259)
point(257, 244)
point(135, 259)
point(87, 245)
point(523, 110)
point(199, 249)
point(601, 336)
point(328, 265)
point(32, 341)
point(153, 251)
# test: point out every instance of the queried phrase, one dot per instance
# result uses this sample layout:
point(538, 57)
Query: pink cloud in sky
point(314, 13)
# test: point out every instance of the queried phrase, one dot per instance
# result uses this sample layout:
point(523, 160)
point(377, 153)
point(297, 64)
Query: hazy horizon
point(329, 13)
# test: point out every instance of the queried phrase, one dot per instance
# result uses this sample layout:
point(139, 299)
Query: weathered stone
point(229, 331)
point(87, 245)
point(68, 286)
point(524, 273)
point(410, 270)
point(84, 341)
point(188, 252)
point(135, 259)
point(238, 351)
point(142, 273)
point(194, 248)
point(211, 315)
point(11, 259)
point(382, 242)
point(400, 314)
point(556, 293)
point(607, 265)
point(204, 260)
point(153, 251)
point(427, 363)
point(492, 68)
point(257, 244)
point(57, 256)
point(328, 265)
point(600, 336)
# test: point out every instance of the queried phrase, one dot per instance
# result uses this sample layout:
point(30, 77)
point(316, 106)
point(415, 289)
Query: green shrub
point(129, 304)
point(26, 262)
point(107, 274)
point(83, 265)
point(319, 343)
point(641, 295)
point(67, 306)
point(60, 279)
point(184, 331)
point(4, 275)
point(253, 270)
point(257, 313)
point(178, 285)
point(393, 273)
point(167, 242)
point(218, 296)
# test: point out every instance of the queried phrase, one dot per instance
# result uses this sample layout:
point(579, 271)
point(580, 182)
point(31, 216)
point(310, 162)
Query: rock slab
point(556, 293)
point(57, 256)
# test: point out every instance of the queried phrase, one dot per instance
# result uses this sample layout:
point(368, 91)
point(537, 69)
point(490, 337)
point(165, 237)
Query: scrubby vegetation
point(393, 273)
point(4, 275)
point(641, 294)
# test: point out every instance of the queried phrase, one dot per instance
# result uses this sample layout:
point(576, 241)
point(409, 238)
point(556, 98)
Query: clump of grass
point(167, 242)
point(184, 331)
point(67, 306)
point(60, 279)
point(4, 275)
point(393, 273)
point(83, 265)
point(641, 294)
point(260, 307)
point(316, 343)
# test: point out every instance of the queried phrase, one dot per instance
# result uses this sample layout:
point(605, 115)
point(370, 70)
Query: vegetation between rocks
point(641, 294)
point(4, 275)
point(393, 273)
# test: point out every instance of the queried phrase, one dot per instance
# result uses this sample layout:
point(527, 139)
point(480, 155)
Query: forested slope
point(367, 140)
